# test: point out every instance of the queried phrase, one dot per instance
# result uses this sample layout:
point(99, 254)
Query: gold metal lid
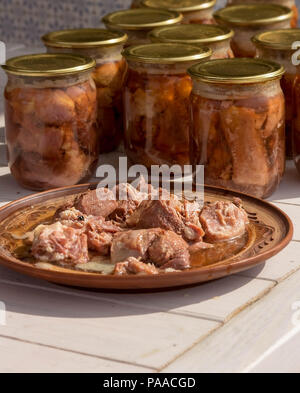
point(180, 5)
point(84, 38)
point(191, 34)
point(277, 39)
point(236, 71)
point(253, 14)
point(43, 65)
point(166, 53)
point(141, 19)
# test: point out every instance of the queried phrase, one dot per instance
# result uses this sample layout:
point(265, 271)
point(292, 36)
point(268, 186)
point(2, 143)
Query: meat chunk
point(166, 215)
point(132, 244)
point(100, 234)
point(71, 217)
point(100, 202)
point(164, 249)
point(169, 251)
point(134, 266)
point(223, 221)
point(60, 244)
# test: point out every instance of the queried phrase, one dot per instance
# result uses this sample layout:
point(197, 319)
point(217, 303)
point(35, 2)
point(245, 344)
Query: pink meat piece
point(100, 234)
point(100, 202)
point(134, 266)
point(60, 244)
point(223, 221)
point(166, 215)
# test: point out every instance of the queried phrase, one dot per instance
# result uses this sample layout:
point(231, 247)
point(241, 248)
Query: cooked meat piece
point(60, 244)
point(201, 246)
point(169, 250)
point(134, 266)
point(132, 244)
point(223, 221)
point(71, 217)
point(166, 215)
point(100, 234)
point(100, 202)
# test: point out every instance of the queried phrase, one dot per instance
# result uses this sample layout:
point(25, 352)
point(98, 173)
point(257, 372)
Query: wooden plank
point(100, 328)
point(280, 267)
point(242, 341)
point(23, 357)
point(216, 301)
point(293, 211)
point(288, 190)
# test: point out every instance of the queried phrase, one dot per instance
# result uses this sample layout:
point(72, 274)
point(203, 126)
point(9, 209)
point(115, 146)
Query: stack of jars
point(163, 80)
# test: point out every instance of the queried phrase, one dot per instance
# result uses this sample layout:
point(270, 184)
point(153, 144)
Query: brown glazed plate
point(270, 231)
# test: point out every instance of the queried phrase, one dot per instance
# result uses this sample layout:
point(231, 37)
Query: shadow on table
point(10, 190)
point(35, 297)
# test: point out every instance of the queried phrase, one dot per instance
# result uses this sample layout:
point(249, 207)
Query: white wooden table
point(232, 325)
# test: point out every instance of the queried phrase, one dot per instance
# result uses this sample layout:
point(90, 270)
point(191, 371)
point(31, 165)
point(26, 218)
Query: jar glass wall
point(157, 103)
point(50, 124)
point(287, 3)
point(250, 19)
point(109, 75)
point(238, 128)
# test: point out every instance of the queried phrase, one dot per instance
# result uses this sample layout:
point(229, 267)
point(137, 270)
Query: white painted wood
point(216, 301)
point(99, 328)
point(244, 339)
point(24, 357)
point(288, 191)
point(293, 211)
point(279, 267)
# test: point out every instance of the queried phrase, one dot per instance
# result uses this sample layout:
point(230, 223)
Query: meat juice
point(51, 129)
point(287, 3)
point(238, 134)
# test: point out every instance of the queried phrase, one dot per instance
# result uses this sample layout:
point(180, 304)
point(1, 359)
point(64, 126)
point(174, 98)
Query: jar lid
point(84, 38)
point(141, 19)
point(253, 14)
point(48, 65)
point(277, 39)
point(180, 5)
point(237, 71)
point(191, 34)
point(166, 53)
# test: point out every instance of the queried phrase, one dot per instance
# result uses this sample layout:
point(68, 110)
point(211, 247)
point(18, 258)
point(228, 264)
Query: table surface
point(243, 323)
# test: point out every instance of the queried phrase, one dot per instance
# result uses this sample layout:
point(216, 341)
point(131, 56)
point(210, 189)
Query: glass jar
point(109, 75)
point(50, 115)
point(238, 124)
point(287, 3)
point(214, 36)
point(250, 19)
point(157, 102)
point(276, 45)
point(137, 23)
point(193, 11)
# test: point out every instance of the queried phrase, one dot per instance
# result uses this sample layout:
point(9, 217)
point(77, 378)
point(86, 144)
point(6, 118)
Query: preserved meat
point(238, 134)
point(277, 46)
point(134, 266)
point(109, 76)
point(101, 202)
point(60, 244)
point(287, 3)
point(296, 124)
point(51, 130)
point(157, 106)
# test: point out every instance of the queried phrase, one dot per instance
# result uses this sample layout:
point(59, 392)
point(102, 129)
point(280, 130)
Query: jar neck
point(15, 81)
point(100, 54)
point(232, 92)
point(284, 57)
point(160, 69)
